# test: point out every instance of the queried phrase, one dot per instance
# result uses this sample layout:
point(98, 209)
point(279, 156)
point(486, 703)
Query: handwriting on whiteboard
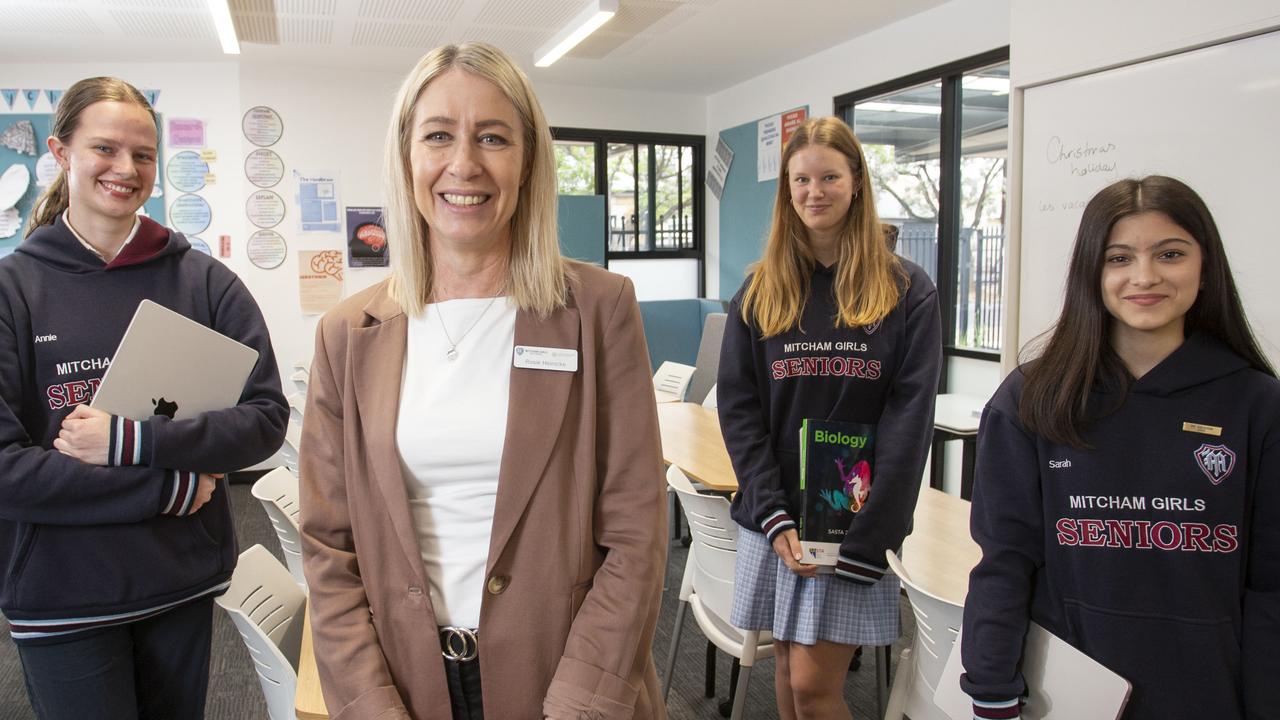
point(1082, 159)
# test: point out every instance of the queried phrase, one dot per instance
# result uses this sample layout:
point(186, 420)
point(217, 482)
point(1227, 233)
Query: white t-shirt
point(450, 432)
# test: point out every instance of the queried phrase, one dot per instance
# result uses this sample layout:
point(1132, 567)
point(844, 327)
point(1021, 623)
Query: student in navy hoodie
point(830, 325)
point(1126, 495)
point(115, 534)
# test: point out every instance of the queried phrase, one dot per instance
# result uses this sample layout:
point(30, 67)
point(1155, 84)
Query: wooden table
point(939, 553)
point(307, 701)
point(691, 441)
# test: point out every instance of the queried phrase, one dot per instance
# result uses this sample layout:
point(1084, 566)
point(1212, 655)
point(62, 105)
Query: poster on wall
point(190, 214)
point(319, 280)
point(186, 132)
point(719, 170)
point(791, 121)
point(186, 171)
point(318, 202)
point(264, 168)
point(366, 238)
point(768, 147)
point(264, 208)
point(266, 249)
point(262, 126)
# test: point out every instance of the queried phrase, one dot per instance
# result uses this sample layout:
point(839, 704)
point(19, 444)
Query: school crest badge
point(872, 328)
point(1217, 461)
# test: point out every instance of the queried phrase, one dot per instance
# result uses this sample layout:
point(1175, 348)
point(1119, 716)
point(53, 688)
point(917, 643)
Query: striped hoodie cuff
point(180, 491)
point(859, 571)
point(997, 709)
point(128, 443)
point(776, 522)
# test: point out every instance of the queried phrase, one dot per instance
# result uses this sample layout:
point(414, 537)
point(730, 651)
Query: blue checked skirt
point(768, 596)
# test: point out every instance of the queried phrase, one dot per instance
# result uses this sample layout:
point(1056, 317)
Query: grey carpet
point(234, 693)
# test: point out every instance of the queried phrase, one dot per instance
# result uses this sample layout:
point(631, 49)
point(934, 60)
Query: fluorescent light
point(582, 25)
point(221, 13)
point(900, 107)
point(991, 84)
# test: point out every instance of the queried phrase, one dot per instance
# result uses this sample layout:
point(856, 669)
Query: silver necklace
point(452, 352)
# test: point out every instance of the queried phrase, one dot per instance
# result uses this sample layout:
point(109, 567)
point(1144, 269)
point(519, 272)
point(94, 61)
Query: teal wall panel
point(582, 227)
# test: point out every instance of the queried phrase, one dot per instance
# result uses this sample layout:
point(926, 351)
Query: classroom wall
point(334, 121)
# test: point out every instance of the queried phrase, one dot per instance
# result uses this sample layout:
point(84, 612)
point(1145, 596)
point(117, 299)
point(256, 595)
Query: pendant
point(452, 354)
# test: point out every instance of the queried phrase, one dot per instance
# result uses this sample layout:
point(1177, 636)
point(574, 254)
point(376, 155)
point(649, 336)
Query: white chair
point(710, 400)
point(300, 379)
point(266, 606)
point(671, 381)
point(937, 624)
point(278, 493)
point(297, 406)
point(708, 586)
point(292, 441)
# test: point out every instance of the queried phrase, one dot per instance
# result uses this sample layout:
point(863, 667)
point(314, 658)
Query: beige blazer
point(577, 551)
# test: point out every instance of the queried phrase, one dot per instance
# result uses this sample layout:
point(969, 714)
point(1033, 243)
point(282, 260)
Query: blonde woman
point(829, 326)
point(482, 498)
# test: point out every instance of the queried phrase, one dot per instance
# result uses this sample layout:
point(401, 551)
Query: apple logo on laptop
point(165, 407)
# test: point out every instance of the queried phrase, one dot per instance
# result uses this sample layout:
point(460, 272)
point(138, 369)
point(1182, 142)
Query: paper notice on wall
point(319, 280)
point(719, 170)
point(10, 223)
point(768, 148)
point(791, 121)
point(185, 132)
point(318, 202)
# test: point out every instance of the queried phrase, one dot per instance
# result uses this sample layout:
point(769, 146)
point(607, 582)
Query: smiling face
point(467, 160)
point(822, 185)
point(109, 162)
point(1150, 275)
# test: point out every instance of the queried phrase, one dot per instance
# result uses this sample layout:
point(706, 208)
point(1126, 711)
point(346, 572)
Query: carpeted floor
point(234, 693)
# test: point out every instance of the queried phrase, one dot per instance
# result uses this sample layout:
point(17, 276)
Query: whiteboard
point(1209, 117)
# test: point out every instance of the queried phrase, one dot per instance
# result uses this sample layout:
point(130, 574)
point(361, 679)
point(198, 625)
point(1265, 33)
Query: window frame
point(951, 75)
point(602, 139)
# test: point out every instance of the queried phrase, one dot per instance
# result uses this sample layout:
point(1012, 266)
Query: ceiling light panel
point(441, 11)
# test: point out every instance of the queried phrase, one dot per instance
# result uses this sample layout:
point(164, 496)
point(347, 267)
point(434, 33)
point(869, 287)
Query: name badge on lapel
point(546, 358)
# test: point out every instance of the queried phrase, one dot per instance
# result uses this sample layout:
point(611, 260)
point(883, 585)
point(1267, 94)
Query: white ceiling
point(682, 46)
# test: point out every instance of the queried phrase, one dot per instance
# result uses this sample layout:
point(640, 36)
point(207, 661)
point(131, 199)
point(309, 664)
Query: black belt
point(459, 647)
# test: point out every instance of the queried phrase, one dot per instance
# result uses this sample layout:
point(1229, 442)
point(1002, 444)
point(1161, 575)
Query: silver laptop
point(168, 364)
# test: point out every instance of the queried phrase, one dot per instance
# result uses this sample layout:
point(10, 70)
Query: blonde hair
point(536, 273)
point(54, 200)
point(869, 277)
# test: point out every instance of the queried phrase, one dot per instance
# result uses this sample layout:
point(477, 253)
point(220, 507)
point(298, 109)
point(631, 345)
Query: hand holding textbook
point(836, 475)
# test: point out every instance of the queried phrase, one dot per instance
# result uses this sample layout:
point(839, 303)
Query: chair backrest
point(292, 442)
point(297, 406)
point(708, 362)
point(710, 400)
point(266, 606)
point(278, 493)
point(672, 379)
point(937, 624)
point(715, 543)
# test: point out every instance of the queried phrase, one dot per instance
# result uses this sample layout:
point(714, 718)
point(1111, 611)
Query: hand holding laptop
point(85, 435)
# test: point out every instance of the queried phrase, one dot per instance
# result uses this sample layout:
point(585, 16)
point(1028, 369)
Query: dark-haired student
point(1126, 495)
point(831, 325)
point(116, 533)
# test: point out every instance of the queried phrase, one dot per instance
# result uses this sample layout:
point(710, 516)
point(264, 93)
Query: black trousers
point(152, 669)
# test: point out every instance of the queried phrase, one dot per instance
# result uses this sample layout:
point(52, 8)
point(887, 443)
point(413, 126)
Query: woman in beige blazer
point(482, 499)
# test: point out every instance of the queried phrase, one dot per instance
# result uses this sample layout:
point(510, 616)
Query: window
point(936, 144)
point(653, 197)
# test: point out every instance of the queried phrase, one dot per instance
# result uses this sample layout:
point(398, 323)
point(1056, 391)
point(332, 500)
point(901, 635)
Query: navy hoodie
point(86, 546)
point(1157, 552)
point(884, 374)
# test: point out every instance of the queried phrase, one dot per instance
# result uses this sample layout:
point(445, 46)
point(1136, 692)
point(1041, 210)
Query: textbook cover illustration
point(836, 468)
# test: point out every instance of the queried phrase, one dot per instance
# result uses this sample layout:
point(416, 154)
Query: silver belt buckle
point(460, 644)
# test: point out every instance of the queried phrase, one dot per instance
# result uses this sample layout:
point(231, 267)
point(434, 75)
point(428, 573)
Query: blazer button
point(498, 584)
point(414, 590)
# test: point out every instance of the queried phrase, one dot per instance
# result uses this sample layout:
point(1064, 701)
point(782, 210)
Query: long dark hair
point(65, 121)
point(1078, 352)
